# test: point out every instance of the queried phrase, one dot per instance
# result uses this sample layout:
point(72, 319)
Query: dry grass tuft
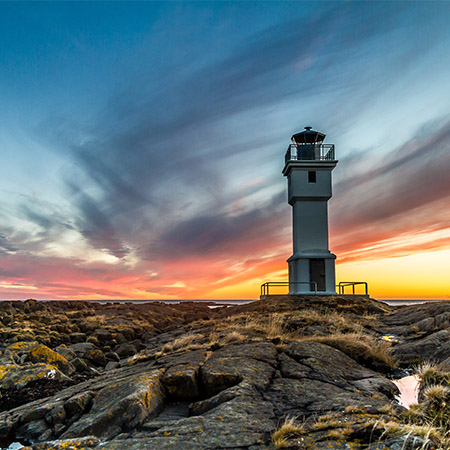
point(387, 409)
point(392, 429)
point(430, 374)
point(289, 326)
point(325, 422)
point(234, 336)
point(430, 419)
point(184, 342)
point(287, 431)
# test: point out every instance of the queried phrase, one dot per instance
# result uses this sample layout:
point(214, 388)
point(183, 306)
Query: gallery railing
point(310, 152)
point(265, 288)
point(343, 284)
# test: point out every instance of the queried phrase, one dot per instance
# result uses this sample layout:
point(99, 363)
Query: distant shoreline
point(228, 302)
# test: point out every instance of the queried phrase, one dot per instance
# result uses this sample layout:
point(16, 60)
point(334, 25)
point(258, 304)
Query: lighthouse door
point(317, 273)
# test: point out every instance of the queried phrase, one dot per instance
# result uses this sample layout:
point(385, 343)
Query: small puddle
point(409, 390)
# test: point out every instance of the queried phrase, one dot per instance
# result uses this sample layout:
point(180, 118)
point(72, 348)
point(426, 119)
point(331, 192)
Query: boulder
point(65, 351)
point(126, 349)
point(16, 377)
point(408, 442)
point(181, 379)
point(32, 431)
point(121, 406)
point(80, 365)
point(112, 356)
point(77, 337)
point(41, 353)
point(82, 347)
point(317, 361)
point(111, 365)
point(85, 443)
point(96, 357)
point(103, 335)
point(435, 347)
point(233, 363)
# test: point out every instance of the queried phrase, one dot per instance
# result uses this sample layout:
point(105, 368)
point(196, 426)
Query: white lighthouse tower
point(308, 166)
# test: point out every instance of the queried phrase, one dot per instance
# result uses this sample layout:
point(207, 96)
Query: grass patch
point(234, 336)
point(387, 409)
point(430, 374)
point(338, 433)
point(288, 430)
point(325, 422)
point(289, 326)
point(182, 343)
point(364, 349)
point(430, 419)
point(430, 435)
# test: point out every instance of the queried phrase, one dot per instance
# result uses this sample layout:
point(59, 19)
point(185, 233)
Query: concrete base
point(301, 278)
point(319, 294)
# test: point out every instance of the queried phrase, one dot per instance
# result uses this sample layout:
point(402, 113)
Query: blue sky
point(143, 142)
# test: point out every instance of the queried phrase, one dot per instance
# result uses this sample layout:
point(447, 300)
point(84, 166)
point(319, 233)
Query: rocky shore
point(284, 372)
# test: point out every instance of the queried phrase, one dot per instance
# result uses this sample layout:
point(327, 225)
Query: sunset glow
point(143, 142)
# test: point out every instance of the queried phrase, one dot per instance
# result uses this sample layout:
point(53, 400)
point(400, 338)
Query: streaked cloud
point(167, 182)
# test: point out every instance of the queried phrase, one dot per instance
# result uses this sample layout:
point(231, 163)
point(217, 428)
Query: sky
point(142, 145)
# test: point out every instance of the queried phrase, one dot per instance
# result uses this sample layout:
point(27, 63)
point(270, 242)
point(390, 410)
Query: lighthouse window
point(312, 176)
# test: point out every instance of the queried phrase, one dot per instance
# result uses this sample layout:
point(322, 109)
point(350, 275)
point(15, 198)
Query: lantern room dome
point(308, 136)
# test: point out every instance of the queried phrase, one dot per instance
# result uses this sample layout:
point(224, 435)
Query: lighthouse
point(308, 166)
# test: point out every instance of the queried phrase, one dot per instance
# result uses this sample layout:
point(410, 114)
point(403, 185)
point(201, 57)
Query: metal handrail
point(266, 286)
point(310, 152)
point(343, 284)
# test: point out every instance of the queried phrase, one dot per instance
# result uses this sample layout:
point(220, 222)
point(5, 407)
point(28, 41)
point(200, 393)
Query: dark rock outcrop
point(146, 377)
